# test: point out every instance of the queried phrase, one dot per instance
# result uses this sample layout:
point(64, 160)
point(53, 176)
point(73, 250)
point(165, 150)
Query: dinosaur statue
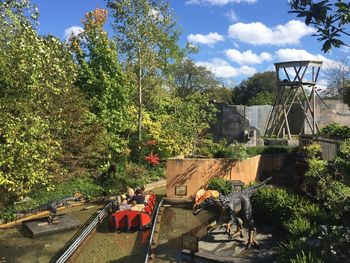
point(235, 203)
point(52, 206)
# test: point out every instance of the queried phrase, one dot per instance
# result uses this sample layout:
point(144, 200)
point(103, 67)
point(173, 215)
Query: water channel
point(103, 245)
point(16, 246)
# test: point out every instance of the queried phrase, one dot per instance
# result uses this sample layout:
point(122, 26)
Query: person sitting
point(123, 204)
point(138, 197)
point(130, 194)
point(136, 207)
point(149, 196)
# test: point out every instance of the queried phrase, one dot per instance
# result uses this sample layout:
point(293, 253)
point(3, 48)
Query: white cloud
point(247, 57)
point(292, 54)
point(75, 30)
point(223, 69)
point(218, 2)
point(257, 33)
point(231, 15)
point(209, 39)
point(155, 15)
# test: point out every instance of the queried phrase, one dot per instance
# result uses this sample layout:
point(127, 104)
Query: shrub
point(336, 130)
point(256, 150)
point(299, 227)
point(85, 185)
point(221, 185)
point(236, 152)
point(308, 258)
point(277, 206)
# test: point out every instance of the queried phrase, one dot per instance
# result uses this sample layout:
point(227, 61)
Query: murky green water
point(105, 246)
point(17, 246)
point(176, 221)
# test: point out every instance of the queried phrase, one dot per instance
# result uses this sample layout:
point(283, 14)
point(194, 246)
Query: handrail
point(76, 242)
point(153, 229)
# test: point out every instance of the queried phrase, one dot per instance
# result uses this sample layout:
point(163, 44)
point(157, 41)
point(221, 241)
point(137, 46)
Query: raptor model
point(235, 203)
point(52, 206)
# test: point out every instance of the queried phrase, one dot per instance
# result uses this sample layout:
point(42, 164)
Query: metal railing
point(78, 240)
point(153, 229)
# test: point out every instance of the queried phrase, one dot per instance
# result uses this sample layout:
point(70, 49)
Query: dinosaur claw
point(252, 241)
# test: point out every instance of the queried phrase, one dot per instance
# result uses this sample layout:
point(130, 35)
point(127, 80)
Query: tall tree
point(337, 75)
point(258, 89)
point(190, 78)
point(44, 122)
point(146, 37)
point(330, 17)
point(101, 78)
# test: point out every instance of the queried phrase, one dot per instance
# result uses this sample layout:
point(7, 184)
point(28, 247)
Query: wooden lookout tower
point(296, 84)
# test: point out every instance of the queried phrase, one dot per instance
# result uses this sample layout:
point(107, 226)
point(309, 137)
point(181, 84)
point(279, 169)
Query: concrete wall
point(232, 120)
point(325, 115)
point(195, 173)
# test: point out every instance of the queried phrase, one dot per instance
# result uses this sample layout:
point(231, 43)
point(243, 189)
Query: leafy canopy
point(331, 19)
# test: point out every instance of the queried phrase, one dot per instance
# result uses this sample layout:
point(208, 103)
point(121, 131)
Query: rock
point(88, 207)
point(314, 242)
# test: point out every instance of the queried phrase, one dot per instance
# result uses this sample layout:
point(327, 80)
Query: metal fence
point(329, 147)
point(153, 231)
point(73, 245)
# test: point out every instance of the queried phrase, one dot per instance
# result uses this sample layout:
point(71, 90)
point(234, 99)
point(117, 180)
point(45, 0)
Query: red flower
point(152, 159)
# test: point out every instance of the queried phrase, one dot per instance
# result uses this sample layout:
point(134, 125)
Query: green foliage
point(262, 98)
point(190, 78)
point(101, 78)
point(316, 166)
point(47, 130)
point(33, 74)
point(7, 215)
point(180, 126)
point(330, 18)
point(289, 249)
point(129, 174)
point(237, 152)
point(221, 185)
point(277, 206)
point(336, 130)
point(258, 88)
point(308, 258)
point(256, 150)
point(299, 227)
point(146, 36)
point(333, 194)
point(342, 161)
point(85, 185)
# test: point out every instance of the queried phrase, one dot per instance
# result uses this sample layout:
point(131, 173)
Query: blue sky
point(236, 38)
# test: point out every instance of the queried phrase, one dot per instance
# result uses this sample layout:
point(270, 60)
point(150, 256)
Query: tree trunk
point(139, 95)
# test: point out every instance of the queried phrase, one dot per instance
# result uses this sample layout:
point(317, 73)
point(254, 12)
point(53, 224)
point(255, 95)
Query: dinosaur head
point(205, 200)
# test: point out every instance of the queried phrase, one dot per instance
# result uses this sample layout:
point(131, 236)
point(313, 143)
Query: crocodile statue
point(235, 204)
point(52, 206)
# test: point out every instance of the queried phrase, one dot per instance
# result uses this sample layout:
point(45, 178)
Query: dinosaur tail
point(30, 211)
point(252, 189)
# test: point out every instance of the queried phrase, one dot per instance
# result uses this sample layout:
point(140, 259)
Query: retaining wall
point(186, 176)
